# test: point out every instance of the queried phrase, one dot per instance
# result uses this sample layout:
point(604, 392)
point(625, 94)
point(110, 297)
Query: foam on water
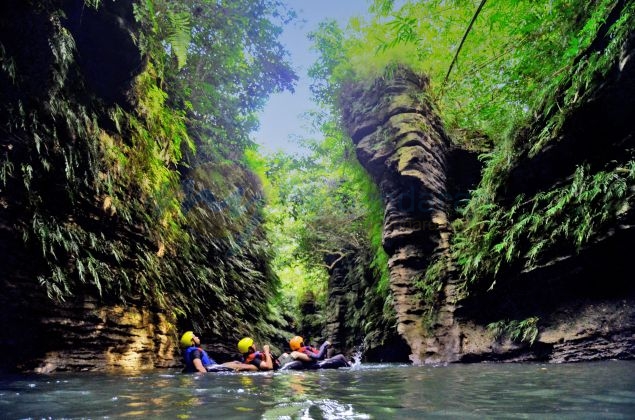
point(357, 358)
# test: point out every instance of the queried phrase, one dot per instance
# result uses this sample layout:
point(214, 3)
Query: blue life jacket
point(189, 363)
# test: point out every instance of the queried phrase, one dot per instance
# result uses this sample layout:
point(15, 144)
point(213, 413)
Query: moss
point(104, 190)
point(494, 235)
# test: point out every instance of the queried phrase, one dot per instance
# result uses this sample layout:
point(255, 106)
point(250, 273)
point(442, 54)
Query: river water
point(367, 391)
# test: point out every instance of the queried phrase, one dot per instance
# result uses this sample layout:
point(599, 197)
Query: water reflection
point(592, 390)
point(296, 395)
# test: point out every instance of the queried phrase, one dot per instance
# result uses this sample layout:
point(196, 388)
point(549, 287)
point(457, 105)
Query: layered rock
point(356, 322)
point(84, 332)
point(400, 141)
point(585, 304)
point(584, 298)
point(97, 259)
point(86, 335)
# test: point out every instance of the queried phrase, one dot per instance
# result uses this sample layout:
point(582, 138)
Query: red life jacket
point(251, 356)
point(307, 349)
point(257, 354)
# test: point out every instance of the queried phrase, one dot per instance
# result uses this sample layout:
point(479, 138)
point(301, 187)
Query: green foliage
point(148, 201)
point(179, 36)
point(164, 23)
point(325, 72)
point(573, 85)
point(147, 160)
point(518, 62)
point(373, 224)
point(235, 61)
point(517, 58)
point(324, 211)
point(492, 236)
point(6, 170)
point(514, 55)
point(161, 200)
point(430, 283)
point(518, 331)
point(93, 3)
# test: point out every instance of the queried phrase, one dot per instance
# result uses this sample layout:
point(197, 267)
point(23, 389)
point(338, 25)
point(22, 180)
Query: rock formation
point(109, 246)
point(584, 298)
point(355, 319)
point(400, 141)
point(84, 332)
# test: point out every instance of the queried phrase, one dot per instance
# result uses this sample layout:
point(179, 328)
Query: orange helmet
point(296, 342)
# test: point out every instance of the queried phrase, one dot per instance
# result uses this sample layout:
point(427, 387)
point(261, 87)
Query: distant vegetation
point(514, 58)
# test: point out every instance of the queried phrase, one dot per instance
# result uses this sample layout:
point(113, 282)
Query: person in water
point(197, 360)
point(252, 359)
point(307, 357)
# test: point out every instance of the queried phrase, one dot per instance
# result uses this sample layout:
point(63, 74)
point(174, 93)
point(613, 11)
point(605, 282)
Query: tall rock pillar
point(401, 142)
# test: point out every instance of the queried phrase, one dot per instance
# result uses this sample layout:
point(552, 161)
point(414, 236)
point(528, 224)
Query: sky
point(281, 120)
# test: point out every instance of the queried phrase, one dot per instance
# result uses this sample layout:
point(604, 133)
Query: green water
point(373, 391)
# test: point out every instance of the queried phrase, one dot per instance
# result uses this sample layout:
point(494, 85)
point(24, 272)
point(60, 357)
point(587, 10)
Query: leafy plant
point(518, 331)
point(147, 201)
point(496, 68)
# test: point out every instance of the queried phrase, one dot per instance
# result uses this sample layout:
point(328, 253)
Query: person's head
point(296, 342)
point(189, 339)
point(246, 345)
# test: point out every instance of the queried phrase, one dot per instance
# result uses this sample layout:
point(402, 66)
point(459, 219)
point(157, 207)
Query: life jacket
point(260, 355)
point(205, 359)
point(251, 356)
point(309, 349)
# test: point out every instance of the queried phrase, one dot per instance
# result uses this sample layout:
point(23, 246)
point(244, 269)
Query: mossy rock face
point(554, 205)
point(92, 204)
point(401, 142)
point(357, 321)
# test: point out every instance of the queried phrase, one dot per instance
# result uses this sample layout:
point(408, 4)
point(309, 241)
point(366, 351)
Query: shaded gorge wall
point(120, 227)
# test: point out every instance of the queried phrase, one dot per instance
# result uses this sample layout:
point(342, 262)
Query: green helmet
point(186, 339)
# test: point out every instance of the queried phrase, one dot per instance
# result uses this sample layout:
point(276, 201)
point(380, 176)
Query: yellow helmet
point(296, 342)
point(244, 344)
point(186, 339)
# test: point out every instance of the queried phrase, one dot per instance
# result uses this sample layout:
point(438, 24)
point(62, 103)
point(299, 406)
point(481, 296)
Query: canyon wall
point(583, 298)
point(116, 235)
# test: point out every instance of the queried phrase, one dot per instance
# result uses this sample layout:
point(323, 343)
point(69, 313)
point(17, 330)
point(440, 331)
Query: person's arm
point(240, 367)
point(199, 365)
point(267, 362)
point(300, 356)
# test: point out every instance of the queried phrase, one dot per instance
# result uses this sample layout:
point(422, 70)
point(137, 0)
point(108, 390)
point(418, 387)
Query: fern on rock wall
point(109, 187)
point(523, 218)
